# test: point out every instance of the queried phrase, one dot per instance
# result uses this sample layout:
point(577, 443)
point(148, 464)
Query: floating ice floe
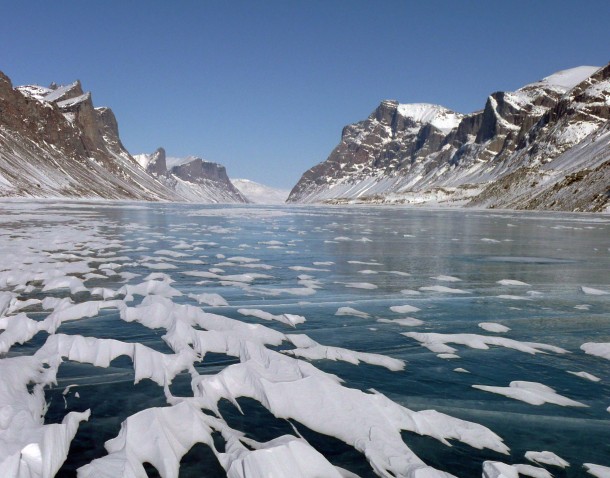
point(447, 356)
point(592, 291)
point(443, 289)
point(512, 297)
point(410, 292)
point(174, 254)
point(66, 282)
point(297, 291)
point(365, 263)
point(494, 327)
point(533, 393)
point(312, 350)
point(353, 312)
point(250, 265)
point(159, 265)
point(546, 458)
point(289, 319)
point(533, 471)
point(283, 456)
point(149, 287)
point(293, 389)
point(586, 376)
point(599, 349)
point(404, 309)
point(598, 471)
point(495, 469)
point(170, 432)
point(406, 321)
point(243, 259)
point(30, 448)
point(213, 300)
point(445, 278)
point(511, 282)
point(216, 274)
point(438, 343)
point(360, 285)
point(307, 269)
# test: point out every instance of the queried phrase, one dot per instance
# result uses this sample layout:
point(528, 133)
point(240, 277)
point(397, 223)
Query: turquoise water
point(555, 254)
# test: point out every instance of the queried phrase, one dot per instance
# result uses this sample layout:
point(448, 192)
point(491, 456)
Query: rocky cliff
point(192, 178)
point(55, 143)
point(521, 151)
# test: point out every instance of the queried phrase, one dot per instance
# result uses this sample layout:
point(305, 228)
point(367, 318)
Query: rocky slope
point(55, 143)
point(543, 146)
point(192, 179)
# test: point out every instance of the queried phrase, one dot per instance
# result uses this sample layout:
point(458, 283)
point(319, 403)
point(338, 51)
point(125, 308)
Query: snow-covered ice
point(531, 392)
point(494, 327)
point(546, 458)
point(80, 313)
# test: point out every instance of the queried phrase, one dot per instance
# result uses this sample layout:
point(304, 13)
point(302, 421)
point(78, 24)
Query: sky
point(265, 87)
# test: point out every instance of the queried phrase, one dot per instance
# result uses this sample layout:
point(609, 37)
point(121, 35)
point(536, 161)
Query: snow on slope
point(435, 115)
point(570, 78)
point(259, 193)
point(173, 161)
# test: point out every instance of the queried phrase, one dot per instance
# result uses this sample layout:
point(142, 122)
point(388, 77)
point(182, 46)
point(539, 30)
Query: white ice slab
point(533, 393)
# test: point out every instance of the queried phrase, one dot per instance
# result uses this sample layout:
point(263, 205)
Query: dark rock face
point(55, 143)
point(194, 179)
point(198, 169)
point(157, 164)
point(212, 176)
point(411, 149)
point(24, 115)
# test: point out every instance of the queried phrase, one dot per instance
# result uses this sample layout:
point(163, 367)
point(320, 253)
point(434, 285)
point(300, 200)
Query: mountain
point(191, 179)
point(544, 146)
point(55, 143)
point(259, 193)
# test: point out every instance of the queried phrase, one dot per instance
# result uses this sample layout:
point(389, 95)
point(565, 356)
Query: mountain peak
point(436, 115)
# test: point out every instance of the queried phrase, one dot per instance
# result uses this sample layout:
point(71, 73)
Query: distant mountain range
point(55, 143)
point(544, 146)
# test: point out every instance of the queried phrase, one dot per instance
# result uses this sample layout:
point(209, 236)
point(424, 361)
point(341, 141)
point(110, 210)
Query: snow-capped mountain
point(522, 150)
point(191, 179)
point(259, 193)
point(55, 143)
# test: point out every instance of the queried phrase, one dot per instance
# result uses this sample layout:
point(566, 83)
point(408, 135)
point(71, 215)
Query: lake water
point(454, 268)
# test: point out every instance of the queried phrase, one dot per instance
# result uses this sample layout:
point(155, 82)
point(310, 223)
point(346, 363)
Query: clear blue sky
point(265, 87)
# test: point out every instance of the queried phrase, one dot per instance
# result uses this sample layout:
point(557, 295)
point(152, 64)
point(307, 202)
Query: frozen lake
point(499, 321)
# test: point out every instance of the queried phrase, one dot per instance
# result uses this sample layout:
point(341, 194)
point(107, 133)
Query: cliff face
point(55, 143)
point(419, 153)
point(192, 179)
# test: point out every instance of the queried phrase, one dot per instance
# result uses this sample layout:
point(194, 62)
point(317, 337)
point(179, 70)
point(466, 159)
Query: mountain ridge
point(55, 143)
point(192, 178)
point(396, 157)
